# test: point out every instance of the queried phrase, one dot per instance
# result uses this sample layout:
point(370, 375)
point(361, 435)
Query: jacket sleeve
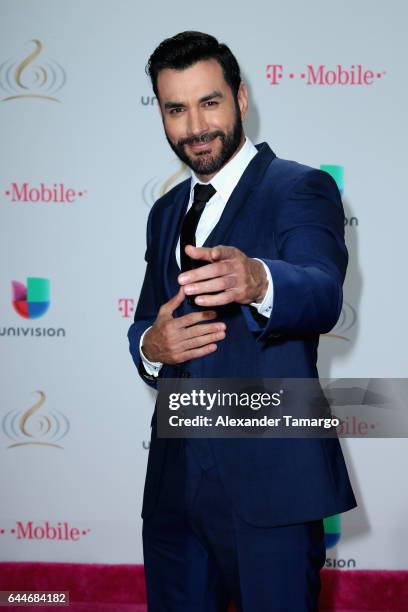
point(309, 272)
point(146, 310)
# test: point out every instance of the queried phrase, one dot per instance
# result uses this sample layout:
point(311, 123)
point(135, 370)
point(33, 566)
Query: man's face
point(201, 118)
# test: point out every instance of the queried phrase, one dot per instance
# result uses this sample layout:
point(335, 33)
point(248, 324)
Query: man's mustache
point(200, 139)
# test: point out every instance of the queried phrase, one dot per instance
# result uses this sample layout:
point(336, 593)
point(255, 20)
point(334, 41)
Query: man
point(245, 265)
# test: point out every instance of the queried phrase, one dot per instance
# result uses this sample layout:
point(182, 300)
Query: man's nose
point(197, 123)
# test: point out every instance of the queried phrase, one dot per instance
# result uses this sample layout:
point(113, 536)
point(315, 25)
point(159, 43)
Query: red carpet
point(120, 588)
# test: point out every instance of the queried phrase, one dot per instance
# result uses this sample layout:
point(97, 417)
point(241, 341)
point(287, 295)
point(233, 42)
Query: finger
point(203, 253)
point(199, 341)
point(219, 299)
point(196, 353)
point(211, 286)
point(211, 270)
point(211, 253)
point(202, 329)
point(169, 307)
point(194, 317)
point(220, 252)
point(179, 337)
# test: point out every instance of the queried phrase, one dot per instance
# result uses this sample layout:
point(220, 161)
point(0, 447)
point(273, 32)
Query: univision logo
point(33, 300)
point(337, 173)
point(148, 100)
point(332, 533)
point(332, 530)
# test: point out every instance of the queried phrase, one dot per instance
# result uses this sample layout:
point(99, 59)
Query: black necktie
point(202, 193)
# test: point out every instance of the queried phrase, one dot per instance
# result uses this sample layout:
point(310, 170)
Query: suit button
point(185, 374)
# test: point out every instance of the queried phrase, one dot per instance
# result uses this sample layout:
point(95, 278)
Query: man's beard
point(210, 164)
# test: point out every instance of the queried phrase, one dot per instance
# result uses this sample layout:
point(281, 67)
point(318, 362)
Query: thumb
point(174, 302)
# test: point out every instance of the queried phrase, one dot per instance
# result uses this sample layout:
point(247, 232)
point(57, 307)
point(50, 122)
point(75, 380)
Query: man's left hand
point(234, 276)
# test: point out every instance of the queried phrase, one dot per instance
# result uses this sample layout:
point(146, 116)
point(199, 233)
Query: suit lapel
point(241, 194)
point(171, 227)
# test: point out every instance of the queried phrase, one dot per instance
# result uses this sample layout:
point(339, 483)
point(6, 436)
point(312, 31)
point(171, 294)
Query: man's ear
point(242, 97)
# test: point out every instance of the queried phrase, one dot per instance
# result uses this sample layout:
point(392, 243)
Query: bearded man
point(245, 265)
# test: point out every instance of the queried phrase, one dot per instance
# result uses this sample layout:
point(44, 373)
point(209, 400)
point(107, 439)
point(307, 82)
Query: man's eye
point(173, 111)
point(211, 103)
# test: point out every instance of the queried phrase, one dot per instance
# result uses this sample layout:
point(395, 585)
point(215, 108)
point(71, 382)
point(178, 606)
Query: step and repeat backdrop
point(83, 158)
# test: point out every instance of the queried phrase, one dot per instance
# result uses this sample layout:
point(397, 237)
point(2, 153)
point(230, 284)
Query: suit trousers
point(199, 555)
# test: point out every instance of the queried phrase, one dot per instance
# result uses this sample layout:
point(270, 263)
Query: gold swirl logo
point(155, 188)
point(346, 321)
point(35, 426)
point(30, 78)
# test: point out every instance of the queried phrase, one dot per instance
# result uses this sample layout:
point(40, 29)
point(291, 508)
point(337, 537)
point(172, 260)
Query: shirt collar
point(226, 179)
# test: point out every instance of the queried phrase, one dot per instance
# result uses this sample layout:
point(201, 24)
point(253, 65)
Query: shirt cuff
point(152, 367)
point(265, 307)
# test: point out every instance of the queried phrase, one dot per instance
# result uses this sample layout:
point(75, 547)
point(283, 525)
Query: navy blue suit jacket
point(290, 216)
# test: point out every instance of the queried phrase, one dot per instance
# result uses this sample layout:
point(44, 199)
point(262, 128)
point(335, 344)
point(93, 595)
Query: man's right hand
point(175, 340)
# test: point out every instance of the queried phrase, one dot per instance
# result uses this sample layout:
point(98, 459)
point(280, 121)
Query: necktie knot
point(202, 193)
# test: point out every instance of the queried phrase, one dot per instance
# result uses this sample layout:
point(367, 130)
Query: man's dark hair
point(187, 48)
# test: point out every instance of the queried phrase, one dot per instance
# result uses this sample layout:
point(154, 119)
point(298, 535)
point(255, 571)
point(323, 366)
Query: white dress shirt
point(224, 182)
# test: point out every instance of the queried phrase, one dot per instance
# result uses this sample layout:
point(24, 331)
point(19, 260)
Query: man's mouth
point(198, 147)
